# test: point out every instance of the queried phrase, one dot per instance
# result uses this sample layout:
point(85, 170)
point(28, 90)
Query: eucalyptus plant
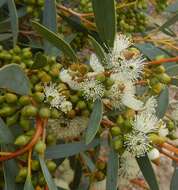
point(100, 121)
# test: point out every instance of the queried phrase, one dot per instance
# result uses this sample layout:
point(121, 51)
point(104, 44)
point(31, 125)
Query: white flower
point(128, 166)
point(52, 95)
point(67, 78)
point(121, 43)
point(150, 106)
point(146, 123)
point(92, 89)
point(163, 131)
point(153, 154)
point(64, 128)
point(66, 106)
point(123, 93)
point(137, 143)
point(133, 68)
point(95, 64)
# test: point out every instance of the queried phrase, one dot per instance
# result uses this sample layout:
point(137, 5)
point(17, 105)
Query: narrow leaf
point(47, 175)
point(163, 102)
point(99, 50)
point(13, 19)
point(112, 171)
point(6, 136)
point(174, 180)
point(105, 17)
point(148, 172)
point(70, 149)
point(94, 122)
point(13, 78)
point(88, 162)
point(2, 2)
point(50, 21)
point(10, 171)
point(54, 39)
point(28, 184)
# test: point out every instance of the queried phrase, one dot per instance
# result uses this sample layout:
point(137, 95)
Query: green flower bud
point(160, 69)
point(10, 98)
point(7, 111)
point(51, 139)
point(164, 78)
point(51, 165)
point(109, 82)
point(155, 139)
point(157, 88)
point(30, 133)
point(170, 125)
point(101, 77)
point(41, 180)
point(2, 99)
point(29, 111)
point(12, 120)
point(39, 88)
point(22, 140)
point(40, 147)
point(16, 50)
point(23, 172)
point(117, 144)
point(24, 100)
point(85, 113)
point(71, 114)
point(101, 165)
point(81, 105)
point(39, 97)
point(44, 112)
point(120, 120)
point(115, 131)
point(74, 98)
point(24, 123)
point(46, 78)
point(35, 165)
point(55, 114)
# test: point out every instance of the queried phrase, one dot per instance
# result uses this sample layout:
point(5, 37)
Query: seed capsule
point(40, 147)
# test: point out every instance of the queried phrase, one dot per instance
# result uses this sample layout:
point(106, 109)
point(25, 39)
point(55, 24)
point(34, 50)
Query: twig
point(38, 132)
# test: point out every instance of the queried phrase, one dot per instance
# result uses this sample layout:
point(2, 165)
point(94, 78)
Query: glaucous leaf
point(148, 172)
point(112, 170)
point(94, 121)
point(13, 78)
point(47, 175)
point(105, 18)
point(6, 136)
point(55, 39)
point(13, 19)
point(69, 149)
point(28, 184)
point(163, 102)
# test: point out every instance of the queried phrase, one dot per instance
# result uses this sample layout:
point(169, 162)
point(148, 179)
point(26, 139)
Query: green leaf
point(40, 61)
point(13, 19)
point(50, 21)
point(99, 50)
point(47, 175)
point(13, 78)
point(170, 22)
point(163, 102)
point(94, 122)
point(28, 184)
point(172, 70)
point(148, 172)
point(70, 149)
point(105, 17)
point(10, 171)
point(174, 180)
point(112, 171)
point(6, 136)
point(54, 39)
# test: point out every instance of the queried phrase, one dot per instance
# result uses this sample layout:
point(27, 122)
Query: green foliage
point(147, 171)
point(13, 78)
point(105, 20)
point(94, 122)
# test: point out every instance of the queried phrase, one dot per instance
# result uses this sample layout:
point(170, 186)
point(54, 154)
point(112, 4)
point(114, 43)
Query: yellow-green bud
point(44, 112)
point(24, 100)
point(115, 131)
point(51, 165)
point(40, 147)
point(22, 140)
point(10, 98)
